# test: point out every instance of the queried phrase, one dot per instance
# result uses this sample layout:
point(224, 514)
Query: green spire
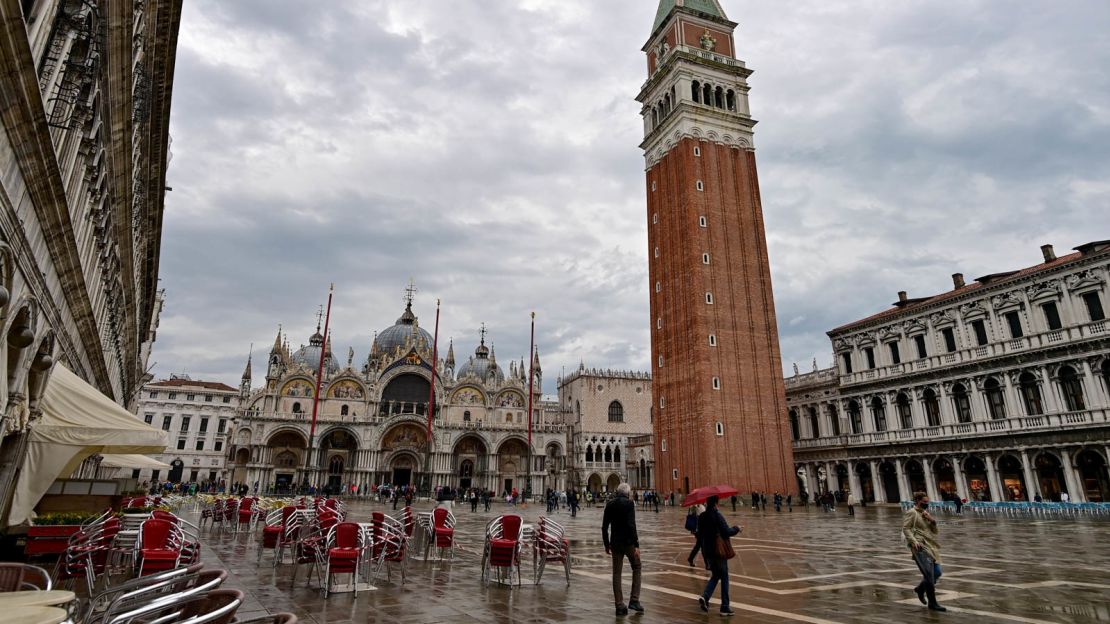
point(710, 7)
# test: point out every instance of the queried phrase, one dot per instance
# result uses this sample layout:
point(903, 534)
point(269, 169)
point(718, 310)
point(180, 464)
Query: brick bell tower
point(720, 412)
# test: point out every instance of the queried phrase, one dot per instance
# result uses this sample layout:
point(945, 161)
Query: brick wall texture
point(754, 452)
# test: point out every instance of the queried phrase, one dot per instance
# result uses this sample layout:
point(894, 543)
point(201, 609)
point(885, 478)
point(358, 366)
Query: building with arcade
point(372, 419)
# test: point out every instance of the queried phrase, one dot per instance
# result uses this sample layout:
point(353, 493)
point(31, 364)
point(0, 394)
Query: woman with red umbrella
point(714, 534)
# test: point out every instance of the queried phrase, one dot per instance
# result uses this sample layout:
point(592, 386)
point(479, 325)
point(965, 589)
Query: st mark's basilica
point(372, 420)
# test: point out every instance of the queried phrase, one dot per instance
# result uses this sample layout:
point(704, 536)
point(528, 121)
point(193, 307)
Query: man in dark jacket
point(618, 532)
point(711, 524)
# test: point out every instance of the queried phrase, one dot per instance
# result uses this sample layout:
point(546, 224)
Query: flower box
point(49, 539)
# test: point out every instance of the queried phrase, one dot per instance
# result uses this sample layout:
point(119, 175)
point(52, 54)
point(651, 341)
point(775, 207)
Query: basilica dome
point(483, 365)
point(310, 355)
point(406, 329)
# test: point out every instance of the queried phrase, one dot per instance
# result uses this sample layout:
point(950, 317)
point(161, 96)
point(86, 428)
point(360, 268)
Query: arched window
point(719, 97)
point(1031, 394)
point(932, 407)
point(878, 414)
point(608, 455)
point(834, 419)
point(996, 403)
point(654, 117)
point(855, 417)
point(695, 91)
point(466, 416)
point(962, 402)
point(616, 412)
point(707, 95)
point(814, 423)
point(794, 433)
point(335, 466)
point(617, 455)
point(730, 100)
point(1072, 389)
point(297, 407)
point(344, 411)
point(905, 415)
point(589, 453)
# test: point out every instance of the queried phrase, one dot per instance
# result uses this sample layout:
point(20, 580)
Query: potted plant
point(49, 533)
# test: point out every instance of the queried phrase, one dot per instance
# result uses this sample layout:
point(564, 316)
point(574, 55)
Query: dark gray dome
point(406, 331)
point(482, 366)
point(310, 355)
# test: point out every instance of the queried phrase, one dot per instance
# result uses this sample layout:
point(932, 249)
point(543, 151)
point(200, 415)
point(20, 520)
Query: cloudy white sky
point(488, 149)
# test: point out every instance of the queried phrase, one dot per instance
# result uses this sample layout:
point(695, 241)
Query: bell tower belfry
point(720, 412)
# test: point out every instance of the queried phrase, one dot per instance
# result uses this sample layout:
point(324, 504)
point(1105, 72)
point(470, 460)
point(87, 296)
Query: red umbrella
point(702, 494)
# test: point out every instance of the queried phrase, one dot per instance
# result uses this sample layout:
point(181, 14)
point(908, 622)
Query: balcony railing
point(977, 353)
point(1042, 423)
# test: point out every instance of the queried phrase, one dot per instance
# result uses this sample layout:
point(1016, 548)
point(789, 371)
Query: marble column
point(830, 476)
point(811, 480)
point(961, 483)
point(877, 483)
point(930, 482)
point(853, 481)
point(947, 417)
point(1076, 491)
point(903, 489)
point(1032, 483)
point(1052, 403)
point(1014, 405)
point(997, 494)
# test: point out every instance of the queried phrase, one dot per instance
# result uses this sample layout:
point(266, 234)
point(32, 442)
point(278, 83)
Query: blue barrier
point(1020, 508)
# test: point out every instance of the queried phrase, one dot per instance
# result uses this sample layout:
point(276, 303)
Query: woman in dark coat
point(711, 524)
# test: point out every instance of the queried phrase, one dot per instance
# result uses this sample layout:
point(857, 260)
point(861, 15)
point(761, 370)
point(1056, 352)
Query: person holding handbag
point(692, 526)
point(714, 534)
point(919, 529)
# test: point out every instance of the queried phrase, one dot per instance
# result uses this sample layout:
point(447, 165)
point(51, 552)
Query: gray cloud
point(489, 150)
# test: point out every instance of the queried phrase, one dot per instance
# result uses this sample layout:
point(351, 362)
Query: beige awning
point(132, 461)
point(77, 421)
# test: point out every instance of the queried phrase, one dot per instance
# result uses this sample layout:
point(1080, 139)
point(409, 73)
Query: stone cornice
point(690, 121)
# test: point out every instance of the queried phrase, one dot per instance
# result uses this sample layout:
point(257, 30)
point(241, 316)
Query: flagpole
point(432, 399)
point(531, 372)
point(319, 380)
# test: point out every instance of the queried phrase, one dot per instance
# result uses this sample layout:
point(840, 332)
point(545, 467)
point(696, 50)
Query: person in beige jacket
point(919, 529)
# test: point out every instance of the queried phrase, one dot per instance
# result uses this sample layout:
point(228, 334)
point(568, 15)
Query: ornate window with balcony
point(905, 414)
point(932, 407)
point(962, 401)
point(1072, 389)
point(878, 414)
point(834, 419)
point(795, 434)
point(855, 417)
point(1031, 394)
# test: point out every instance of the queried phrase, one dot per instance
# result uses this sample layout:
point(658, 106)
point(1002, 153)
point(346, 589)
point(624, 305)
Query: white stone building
point(608, 413)
point(197, 415)
point(995, 390)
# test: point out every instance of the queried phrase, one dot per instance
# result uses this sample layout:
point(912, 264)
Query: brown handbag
point(723, 548)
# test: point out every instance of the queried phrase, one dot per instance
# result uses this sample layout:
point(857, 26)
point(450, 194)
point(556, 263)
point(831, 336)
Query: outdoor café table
point(34, 598)
point(33, 615)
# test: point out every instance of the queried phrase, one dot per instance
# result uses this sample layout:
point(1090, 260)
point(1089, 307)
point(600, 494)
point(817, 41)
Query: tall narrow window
point(703, 222)
point(962, 402)
point(1031, 394)
point(895, 356)
point(203, 425)
point(878, 414)
point(794, 433)
point(846, 361)
point(709, 298)
point(185, 423)
point(716, 383)
point(1014, 323)
point(166, 420)
point(712, 340)
point(658, 323)
point(905, 415)
point(720, 429)
point(1094, 306)
point(996, 403)
point(616, 412)
point(700, 186)
point(855, 417)
point(658, 286)
point(705, 258)
point(656, 252)
point(932, 407)
point(814, 423)
point(344, 410)
point(949, 339)
point(654, 218)
point(1051, 316)
point(1072, 389)
point(980, 329)
point(834, 419)
point(869, 353)
point(697, 151)
point(919, 342)
point(660, 361)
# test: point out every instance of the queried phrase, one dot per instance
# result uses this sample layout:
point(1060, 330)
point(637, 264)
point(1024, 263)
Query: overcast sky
point(488, 149)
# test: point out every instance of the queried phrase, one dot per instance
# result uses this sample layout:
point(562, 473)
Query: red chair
point(389, 544)
point(409, 522)
point(190, 545)
point(441, 533)
point(549, 545)
point(159, 546)
point(502, 548)
point(309, 544)
point(245, 512)
point(273, 533)
point(344, 553)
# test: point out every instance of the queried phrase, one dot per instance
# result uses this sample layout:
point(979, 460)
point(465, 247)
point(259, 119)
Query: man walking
point(919, 529)
point(620, 520)
point(851, 503)
point(572, 502)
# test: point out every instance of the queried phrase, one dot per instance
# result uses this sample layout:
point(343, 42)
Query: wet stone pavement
point(803, 566)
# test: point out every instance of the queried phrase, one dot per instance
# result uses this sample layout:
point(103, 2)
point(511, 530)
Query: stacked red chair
point(245, 512)
point(442, 533)
point(309, 545)
point(159, 546)
point(344, 553)
point(190, 545)
point(408, 520)
point(503, 546)
point(549, 545)
point(274, 533)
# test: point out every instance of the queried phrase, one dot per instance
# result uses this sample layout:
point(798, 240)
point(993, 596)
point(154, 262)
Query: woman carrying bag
point(713, 535)
point(692, 526)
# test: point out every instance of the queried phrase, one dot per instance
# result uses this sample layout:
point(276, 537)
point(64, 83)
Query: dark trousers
point(695, 550)
point(619, 553)
point(718, 570)
point(851, 510)
point(930, 574)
